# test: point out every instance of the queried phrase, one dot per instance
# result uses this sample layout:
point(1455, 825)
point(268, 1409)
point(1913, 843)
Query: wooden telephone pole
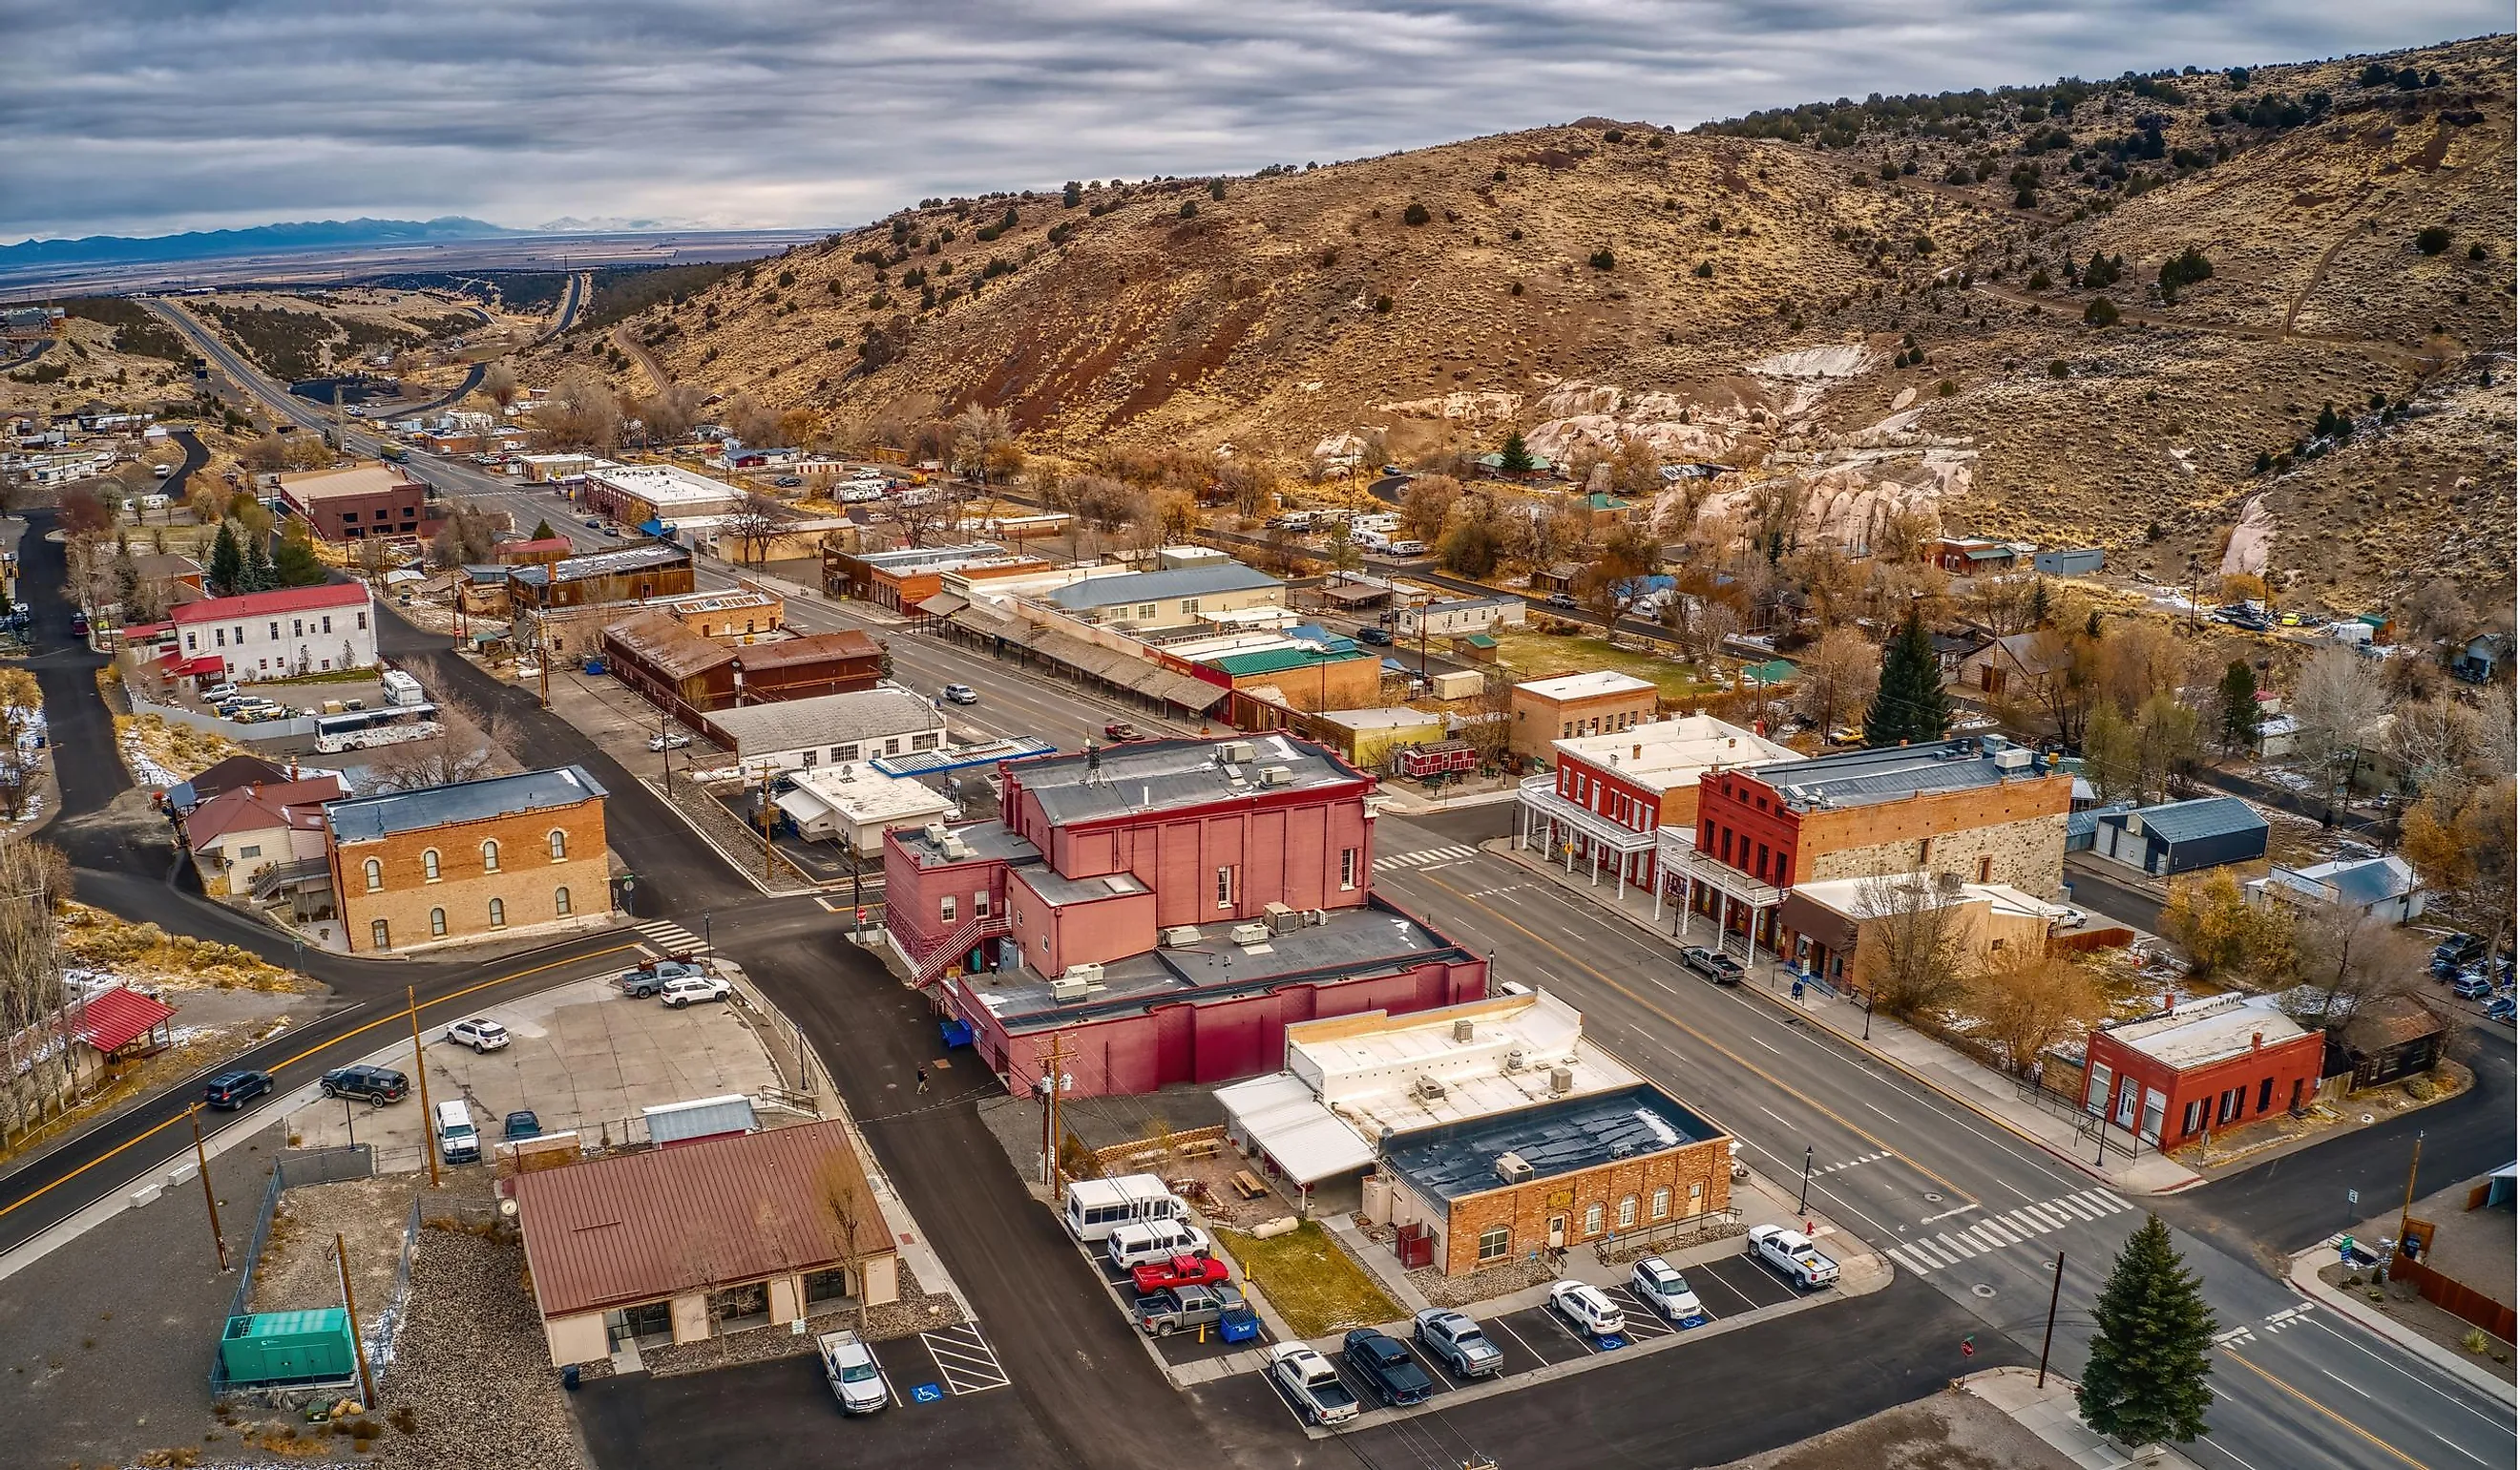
point(1054, 1081)
point(419, 1069)
point(209, 1196)
point(350, 1306)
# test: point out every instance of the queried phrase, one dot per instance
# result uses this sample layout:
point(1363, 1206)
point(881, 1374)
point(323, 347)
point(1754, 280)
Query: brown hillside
point(1553, 287)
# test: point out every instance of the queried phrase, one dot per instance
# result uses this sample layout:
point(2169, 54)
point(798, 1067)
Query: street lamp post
point(1804, 1203)
point(706, 943)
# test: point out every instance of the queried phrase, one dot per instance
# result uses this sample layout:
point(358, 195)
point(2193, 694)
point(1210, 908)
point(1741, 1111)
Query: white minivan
point(457, 1142)
point(1135, 1245)
point(1098, 1207)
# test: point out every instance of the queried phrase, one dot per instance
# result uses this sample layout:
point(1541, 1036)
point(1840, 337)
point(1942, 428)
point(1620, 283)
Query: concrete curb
point(2303, 1276)
point(1784, 1003)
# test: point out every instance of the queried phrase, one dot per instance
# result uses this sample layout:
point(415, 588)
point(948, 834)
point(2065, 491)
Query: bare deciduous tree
point(2336, 700)
point(2030, 1003)
point(499, 384)
point(1910, 947)
point(840, 1190)
point(465, 748)
point(754, 524)
point(1837, 678)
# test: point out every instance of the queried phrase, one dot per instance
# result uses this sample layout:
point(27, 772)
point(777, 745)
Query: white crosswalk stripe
point(2013, 1227)
point(676, 939)
point(1420, 859)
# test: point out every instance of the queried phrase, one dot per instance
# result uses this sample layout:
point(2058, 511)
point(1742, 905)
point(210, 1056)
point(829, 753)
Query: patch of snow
point(1662, 1130)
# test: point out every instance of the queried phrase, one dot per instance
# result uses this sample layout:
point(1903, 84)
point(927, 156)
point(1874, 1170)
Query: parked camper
point(1098, 1207)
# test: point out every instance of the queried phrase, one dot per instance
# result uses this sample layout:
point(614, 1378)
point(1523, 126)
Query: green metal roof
point(1278, 660)
point(1774, 671)
point(1480, 640)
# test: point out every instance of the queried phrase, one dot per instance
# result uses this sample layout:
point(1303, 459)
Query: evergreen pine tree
point(2039, 605)
point(1909, 706)
point(226, 560)
point(295, 564)
point(2240, 705)
point(1515, 457)
point(2145, 1382)
point(543, 530)
point(256, 574)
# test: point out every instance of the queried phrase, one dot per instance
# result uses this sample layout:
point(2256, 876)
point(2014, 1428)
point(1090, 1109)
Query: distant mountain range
point(616, 224)
point(321, 234)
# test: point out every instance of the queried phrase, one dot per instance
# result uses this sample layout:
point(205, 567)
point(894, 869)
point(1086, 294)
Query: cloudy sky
point(144, 117)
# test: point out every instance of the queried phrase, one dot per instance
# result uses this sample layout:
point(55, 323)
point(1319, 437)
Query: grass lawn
point(1311, 1281)
point(1537, 655)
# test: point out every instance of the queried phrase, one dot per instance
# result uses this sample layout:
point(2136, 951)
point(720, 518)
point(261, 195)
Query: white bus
point(1098, 1207)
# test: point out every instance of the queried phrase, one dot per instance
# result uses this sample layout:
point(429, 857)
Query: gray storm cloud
point(142, 118)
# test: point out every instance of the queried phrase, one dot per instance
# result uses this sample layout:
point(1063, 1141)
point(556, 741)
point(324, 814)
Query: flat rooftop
point(662, 485)
point(1368, 1069)
point(1350, 942)
point(1458, 1159)
point(1863, 777)
point(628, 558)
point(1663, 754)
point(1160, 776)
point(2209, 1030)
point(985, 840)
point(371, 478)
point(1585, 686)
point(366, 819)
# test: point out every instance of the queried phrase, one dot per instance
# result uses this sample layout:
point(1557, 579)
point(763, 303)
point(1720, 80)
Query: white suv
point(481, 1033)
point(1587, 1310)
point(1663, 1289)
point(683, 989)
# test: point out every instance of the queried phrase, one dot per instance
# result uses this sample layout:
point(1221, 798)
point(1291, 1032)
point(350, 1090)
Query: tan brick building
point(1561, 1175)
point(481, 858)
point(1573, 706)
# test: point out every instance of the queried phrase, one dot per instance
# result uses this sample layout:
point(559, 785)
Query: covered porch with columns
point(1684, 873)
point(1540, 812)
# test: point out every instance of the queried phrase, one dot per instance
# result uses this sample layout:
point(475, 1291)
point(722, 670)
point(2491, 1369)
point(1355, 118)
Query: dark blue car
point(233, 1089)
point(1388, 1366)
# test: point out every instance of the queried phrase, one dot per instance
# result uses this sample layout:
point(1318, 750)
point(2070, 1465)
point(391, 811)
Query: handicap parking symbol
point(925, 1393)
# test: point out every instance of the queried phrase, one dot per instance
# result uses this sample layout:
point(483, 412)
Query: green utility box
point(289, 1347)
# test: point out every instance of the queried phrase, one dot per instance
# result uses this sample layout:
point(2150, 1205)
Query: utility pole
point(766, 848)
point(419, 1069)
point(209, 1196)
point(1054, 1081)
point(2406, 1211)
point(350, 1306)
point(2055, 1288)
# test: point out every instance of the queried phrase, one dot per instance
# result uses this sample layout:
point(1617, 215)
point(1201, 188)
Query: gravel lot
point(1943, 1432)
point(297, 1270)
point(471, 1369)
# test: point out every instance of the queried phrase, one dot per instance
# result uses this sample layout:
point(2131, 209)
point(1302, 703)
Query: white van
point(457, 1142)
point(1135, 1245)
point(1098, 1207)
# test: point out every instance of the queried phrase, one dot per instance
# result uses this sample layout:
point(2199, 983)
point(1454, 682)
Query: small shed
point(2080, 561)
point(2388, 1037)
point(2182, 836)
point(1477, 647)
point(672, 1123)
point(267, 1348)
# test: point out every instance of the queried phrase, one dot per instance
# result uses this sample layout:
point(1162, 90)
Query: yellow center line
point(386, 1020)
point(1737, 1058)
point(2374, 1439)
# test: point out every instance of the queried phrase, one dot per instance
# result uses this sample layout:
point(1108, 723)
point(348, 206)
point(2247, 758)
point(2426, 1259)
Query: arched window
point(437, 923)
point(428, 865)
point(489, 857)
point(498, 913)
point(560, 901)
point(558, 845)
point(377, 932)
point(375, 873)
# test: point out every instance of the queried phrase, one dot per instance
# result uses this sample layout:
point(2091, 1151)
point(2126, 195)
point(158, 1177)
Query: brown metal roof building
point(799, 668)
point(700, 1239)
point(669, 664)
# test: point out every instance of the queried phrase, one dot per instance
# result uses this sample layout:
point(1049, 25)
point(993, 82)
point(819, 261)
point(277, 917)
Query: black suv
point(1385, 1363)
point(1714, 965)
point(2459, 948)
point(233, 1089)
point(378, 1085)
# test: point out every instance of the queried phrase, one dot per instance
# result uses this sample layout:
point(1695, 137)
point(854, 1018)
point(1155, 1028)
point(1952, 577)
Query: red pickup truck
point(1180, 1270)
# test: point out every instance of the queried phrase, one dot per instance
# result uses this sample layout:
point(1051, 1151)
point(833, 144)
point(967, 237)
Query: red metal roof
point(713, 1212)
point(177, 666)
point(265, 603)
point(114, 1019)
point(254, 808)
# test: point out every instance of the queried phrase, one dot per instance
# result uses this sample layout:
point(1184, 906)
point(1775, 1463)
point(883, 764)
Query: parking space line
point(1431, 1362)
point(1726, 1283)
point(1643, 1313)
point(964, 1359)
point(1526, 1346)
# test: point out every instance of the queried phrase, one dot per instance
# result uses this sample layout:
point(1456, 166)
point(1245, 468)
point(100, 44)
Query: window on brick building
point(1593, 1218)
point(2193, 1119)
point(428, 865)
point(1225, 887)
point(437, 923)
point(1495, 1244)
point(980, 903)
point(558, 841)
point(2266, 1093)
point(1347, 868)
point(560, 901)
point(1628, 1212)
point(498, 913)
point(375, 873)
point(945, 910)
point(1661, 1206)
point(377, 935)
point(489, 857)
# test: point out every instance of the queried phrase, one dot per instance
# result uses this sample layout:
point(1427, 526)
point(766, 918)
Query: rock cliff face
point(1904, 319)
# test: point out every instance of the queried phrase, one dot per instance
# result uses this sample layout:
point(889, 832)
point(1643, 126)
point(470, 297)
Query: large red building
point(1164, 909)
point(1605, 804)
point(2211, 1063)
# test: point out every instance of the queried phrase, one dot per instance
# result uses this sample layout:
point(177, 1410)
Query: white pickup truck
point(1791, 1255)
point(852, 1372)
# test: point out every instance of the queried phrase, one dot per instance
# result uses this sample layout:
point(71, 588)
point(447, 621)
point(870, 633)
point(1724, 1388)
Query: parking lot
point(1534, 1338)
point(1182, 1347)
point(580, 1055)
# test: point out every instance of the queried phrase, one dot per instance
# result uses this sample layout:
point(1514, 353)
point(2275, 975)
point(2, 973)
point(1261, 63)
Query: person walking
point(922, 1079)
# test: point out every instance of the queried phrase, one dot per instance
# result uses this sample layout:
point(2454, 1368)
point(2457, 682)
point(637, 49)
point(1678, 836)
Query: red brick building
point(1168, 908)
point(361, 500)
point(2208, 1064)
point(1605, 804)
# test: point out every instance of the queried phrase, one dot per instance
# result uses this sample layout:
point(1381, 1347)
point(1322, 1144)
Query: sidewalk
point(1990, 1095)
point(1412, 803)
point(2050, 1413)
point(2303, 1274)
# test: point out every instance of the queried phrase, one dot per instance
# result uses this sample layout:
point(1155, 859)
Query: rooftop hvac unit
point(955, 848)
point(935, 833)
point(1429, 1086)
point(1235, 752)
point(1183, 937)
point(1516, 1059)
point(1512, 1169)
point(2017, 758)
point(1249, 934)
point(1063, 990)
point(1463, 1031)
point(1561, 1078)
point(1090, 974)
point(1277, 775)
point(1282, 919)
